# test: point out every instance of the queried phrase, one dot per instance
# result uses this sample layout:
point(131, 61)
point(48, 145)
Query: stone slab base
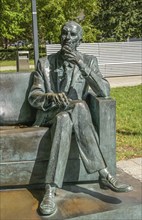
point(81, 202)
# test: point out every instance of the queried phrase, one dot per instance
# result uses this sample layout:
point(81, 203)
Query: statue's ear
point(79, 42)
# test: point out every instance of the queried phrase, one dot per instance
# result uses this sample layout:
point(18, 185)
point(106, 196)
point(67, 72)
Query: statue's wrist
point(85, 70)
point(81, 64)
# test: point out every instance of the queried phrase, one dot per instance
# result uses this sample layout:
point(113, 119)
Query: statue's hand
point(76, 58)
point(73, 56)
point(59, 99)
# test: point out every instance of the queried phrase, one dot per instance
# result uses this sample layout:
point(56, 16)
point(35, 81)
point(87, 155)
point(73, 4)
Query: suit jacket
point(47, 79)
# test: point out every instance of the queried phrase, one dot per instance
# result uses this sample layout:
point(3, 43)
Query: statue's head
point(71, 34)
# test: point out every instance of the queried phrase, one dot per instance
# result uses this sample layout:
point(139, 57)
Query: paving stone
point(132, 167)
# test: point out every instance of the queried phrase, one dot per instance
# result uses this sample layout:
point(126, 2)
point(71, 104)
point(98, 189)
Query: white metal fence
point(114, 58)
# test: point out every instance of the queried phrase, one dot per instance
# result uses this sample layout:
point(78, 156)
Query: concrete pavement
point(8, 68)
point(125, 81)
point(132, 166)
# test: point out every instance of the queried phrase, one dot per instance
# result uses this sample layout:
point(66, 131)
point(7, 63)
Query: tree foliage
point(14, 19)
point(119, 19)
point(52, 14)
point(100, 19)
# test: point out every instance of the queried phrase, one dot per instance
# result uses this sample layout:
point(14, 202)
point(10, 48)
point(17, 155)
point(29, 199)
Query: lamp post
point(35, 32)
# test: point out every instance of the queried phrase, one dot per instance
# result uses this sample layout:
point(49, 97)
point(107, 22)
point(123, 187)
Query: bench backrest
point(14, 106)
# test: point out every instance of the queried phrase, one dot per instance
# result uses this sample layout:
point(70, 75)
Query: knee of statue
point(62, 117)
point(81, 104)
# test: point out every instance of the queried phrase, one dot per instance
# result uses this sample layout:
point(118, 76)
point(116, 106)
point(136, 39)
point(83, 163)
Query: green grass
point(12, 62)
point(128, 121)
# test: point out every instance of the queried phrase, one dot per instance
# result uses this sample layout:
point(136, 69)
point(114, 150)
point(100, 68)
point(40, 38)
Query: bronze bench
point(25, 149)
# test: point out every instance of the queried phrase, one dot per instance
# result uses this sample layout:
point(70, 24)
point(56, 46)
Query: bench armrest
point(103, 112)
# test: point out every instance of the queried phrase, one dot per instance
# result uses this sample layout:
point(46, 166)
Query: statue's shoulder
point(89, 58)
point(47, 60)
point(42, 62)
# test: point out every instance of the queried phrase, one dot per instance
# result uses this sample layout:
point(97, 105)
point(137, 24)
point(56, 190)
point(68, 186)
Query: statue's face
point(70, 36)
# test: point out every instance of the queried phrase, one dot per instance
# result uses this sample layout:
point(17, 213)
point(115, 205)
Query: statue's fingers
point(57, 100)
point(60, 96)
point(67, 48)
point(65, 98)
point(70, 53)
point(72, 60)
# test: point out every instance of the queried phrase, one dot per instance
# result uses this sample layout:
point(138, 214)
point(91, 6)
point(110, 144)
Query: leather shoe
point(48, 205)
point(110, 182)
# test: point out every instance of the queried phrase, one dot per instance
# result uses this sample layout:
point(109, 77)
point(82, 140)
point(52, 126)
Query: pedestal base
point(77, 202)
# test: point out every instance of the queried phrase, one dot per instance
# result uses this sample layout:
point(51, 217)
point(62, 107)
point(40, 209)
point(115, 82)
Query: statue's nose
point(68, 36)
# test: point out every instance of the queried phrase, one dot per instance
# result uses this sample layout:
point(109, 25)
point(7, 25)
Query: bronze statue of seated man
point(58, 92)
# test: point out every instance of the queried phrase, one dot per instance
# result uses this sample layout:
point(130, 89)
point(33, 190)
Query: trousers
point(77, 119)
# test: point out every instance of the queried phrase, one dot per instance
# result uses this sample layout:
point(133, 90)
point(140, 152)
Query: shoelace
point(112, 180)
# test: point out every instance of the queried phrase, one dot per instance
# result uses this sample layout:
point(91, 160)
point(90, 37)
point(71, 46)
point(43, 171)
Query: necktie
point(67, 76)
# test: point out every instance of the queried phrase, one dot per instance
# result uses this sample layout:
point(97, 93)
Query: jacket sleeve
point(95, 79)
point(37, 95)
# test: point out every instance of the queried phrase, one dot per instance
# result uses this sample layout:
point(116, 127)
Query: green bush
point(11, 54)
